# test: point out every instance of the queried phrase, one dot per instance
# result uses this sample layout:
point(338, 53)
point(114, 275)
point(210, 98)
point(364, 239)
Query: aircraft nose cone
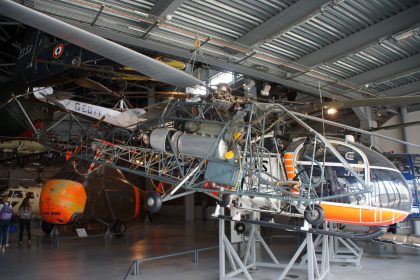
point(61, 200)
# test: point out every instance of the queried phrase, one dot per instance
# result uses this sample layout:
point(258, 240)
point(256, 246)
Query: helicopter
point(105, 196)
point(232, 146)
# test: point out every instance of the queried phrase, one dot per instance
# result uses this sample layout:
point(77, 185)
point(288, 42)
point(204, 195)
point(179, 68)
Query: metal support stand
point(134, 271)
point(249, 261)
point(344, 250)
point(314, 271)
point(54, 235)
point(108, 235)
point(341, 250)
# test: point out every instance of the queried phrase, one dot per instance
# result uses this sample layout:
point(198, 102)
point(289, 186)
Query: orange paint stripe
point(365, 216)
point(289, 155)
point(290, 169)
point(137, 194)
point(288, 162)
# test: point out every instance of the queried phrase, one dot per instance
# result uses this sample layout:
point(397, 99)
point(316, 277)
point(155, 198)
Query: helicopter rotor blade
point(350, 128)
point(118, 53)
point(379, 101)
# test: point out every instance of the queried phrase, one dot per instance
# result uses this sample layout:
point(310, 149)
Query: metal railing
point(134, 271)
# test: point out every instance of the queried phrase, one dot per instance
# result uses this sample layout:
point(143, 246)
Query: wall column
point(189, 207)
point(367, 121)
point(404, 119)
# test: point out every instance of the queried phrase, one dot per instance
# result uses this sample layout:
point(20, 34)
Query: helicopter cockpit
point(331, 178)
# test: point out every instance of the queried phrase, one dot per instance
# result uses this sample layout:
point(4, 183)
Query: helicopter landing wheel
point(46, 227)
point(314, 215)
point(119, 229)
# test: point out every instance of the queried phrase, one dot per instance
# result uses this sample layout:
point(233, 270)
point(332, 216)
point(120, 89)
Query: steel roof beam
point(387, 71)
point(407, 89)
point(165, 7)
point(160, 10)
point(280, 21)
point(373, 33)
point(186, 54)
point(10, 23)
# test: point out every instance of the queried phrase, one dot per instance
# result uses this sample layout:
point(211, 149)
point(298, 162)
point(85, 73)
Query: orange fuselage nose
point(61, 200)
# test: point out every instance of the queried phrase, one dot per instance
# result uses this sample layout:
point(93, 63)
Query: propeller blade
point(91, 84)
point(120, 54)
point(380, 101)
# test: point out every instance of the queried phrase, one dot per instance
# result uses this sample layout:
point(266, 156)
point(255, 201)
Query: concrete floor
point(92, 258)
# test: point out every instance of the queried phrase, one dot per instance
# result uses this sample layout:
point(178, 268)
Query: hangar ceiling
point(348, 49)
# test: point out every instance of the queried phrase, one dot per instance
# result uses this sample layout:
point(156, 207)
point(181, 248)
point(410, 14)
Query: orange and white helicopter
point(234, 148)
point(231, 147)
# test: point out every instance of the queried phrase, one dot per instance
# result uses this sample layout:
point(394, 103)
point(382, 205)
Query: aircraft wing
point(118, 53)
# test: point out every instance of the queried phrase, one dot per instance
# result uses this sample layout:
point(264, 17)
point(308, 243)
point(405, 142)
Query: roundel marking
point(58, 50)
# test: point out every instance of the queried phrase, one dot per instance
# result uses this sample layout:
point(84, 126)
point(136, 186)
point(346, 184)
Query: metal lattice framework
point(248, 130)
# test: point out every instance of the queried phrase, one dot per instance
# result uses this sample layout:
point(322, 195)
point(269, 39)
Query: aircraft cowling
point(61, 201)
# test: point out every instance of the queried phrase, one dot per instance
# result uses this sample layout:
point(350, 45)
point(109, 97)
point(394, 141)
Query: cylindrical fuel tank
point(187, 144)
point(211, 129)
point(200, 146)
point(160, 137)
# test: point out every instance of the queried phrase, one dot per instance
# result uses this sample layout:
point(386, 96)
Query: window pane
point(390, 190)
point(18, 194)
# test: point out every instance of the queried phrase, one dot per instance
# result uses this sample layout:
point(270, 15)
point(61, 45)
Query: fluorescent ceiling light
point(221, 78)
point(136, 29)
point(141, 13)
point(405, 35)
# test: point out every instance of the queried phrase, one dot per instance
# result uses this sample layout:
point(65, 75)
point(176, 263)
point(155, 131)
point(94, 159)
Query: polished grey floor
point(93, 258)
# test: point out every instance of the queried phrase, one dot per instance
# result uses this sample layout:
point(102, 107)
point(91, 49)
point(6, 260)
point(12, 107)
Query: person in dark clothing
point(6, 213)
point(25, 213)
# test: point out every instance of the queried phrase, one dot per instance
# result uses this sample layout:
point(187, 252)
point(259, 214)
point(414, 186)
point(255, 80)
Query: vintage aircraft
point(124, 117)
point(45, 60)
point(20, 149)
point(105, 196)
point(124, 56)
point(235, 146)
